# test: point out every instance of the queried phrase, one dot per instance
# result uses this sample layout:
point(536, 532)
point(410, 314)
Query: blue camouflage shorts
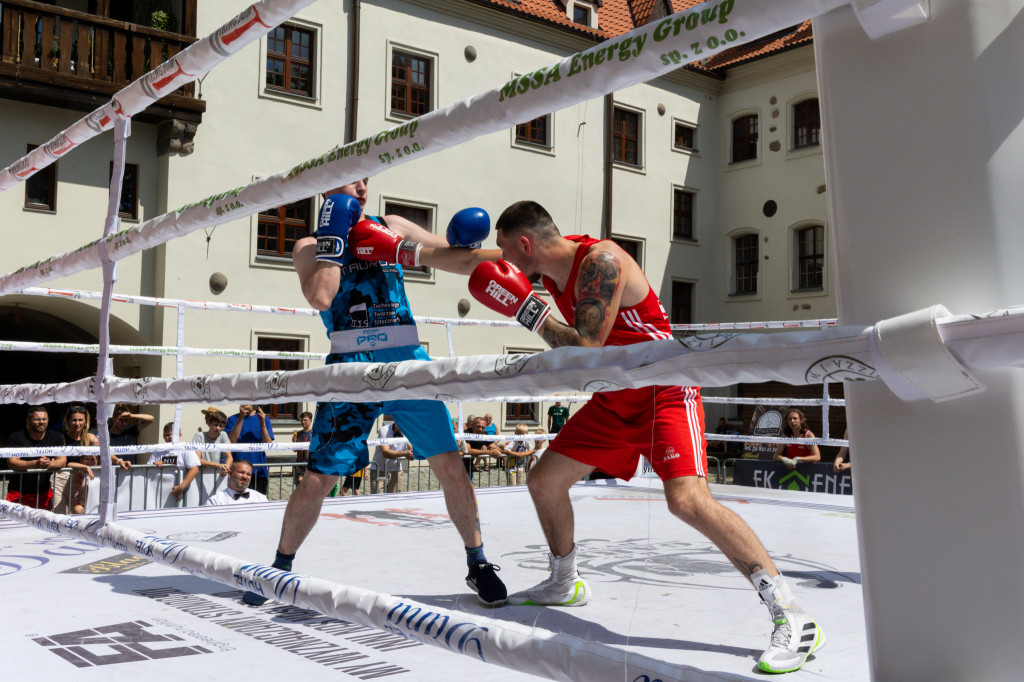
point(340, 430)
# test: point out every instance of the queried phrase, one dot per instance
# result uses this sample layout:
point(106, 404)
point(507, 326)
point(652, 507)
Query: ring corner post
point(924, 149)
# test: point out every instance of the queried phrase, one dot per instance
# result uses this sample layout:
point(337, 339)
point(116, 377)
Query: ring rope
point(455, 322)
point(840, 353)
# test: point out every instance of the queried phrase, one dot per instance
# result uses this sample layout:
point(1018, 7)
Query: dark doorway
point(18, 323)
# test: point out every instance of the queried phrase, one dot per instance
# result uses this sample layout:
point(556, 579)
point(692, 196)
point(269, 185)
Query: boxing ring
point(905, 366)
point(663, 593)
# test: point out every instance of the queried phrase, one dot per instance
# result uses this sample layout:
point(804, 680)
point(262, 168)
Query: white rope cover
point(637, 56)
point(837, 354)
point(455, 322)
point(511, 645)
point(186, 66)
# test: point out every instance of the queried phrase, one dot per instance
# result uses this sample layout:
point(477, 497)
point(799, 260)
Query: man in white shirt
point(388, 459)
point(238, 491)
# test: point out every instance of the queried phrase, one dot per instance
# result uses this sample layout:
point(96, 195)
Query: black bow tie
point(244, 496)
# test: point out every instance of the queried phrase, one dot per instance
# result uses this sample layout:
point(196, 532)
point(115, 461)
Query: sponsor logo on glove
point(501, 294)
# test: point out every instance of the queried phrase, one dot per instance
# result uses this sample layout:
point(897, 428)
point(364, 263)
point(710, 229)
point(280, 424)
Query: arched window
point(806, 124)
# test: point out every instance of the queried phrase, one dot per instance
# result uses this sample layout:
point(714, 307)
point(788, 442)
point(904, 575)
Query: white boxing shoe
point(564, 587)
point(795, 635)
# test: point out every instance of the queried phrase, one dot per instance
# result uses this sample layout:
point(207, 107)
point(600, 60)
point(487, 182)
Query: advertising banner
point(816, 477)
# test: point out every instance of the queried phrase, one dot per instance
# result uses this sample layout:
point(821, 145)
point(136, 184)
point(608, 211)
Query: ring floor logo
point(675, 563)
point(119, 643)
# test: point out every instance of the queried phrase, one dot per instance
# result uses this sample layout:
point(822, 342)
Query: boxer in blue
point(368, 319)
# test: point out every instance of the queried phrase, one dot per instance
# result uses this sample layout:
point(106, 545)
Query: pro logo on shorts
point(119, 643)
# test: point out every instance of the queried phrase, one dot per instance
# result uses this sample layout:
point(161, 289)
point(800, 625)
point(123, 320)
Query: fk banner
point(815, 477)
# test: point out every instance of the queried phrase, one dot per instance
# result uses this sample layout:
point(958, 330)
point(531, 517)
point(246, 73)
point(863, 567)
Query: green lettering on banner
point(507, 90)
point(662, 30)
point(574, 65)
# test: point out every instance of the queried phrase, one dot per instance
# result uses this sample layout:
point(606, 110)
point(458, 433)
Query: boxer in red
point(605, 299)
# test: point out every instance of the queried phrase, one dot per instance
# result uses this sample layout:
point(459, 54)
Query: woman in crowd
point(795, 426)
point(71, 488)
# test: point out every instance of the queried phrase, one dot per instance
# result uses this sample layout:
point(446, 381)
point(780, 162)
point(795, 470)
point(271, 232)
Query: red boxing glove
point(373, 242)
point(503, 287)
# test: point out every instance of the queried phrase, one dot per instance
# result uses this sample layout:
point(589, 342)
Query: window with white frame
point(745, 264)
point(682, 213)
point(682, 303)
point(522, 413)
point(280, 411)
point(684, 136)
point(41, 188)
point(412, 83)
point(744, 138)
point(536, 132)
point(626, 136)
point(634, 247)
point(419, 214)
point(806, 124)
point(583, 12)
point(809, 247)
point(291, 60)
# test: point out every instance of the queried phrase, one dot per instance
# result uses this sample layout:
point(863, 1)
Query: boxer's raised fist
point(503, 287)
point(469, 228)
point(373, 242)
point(337, 215)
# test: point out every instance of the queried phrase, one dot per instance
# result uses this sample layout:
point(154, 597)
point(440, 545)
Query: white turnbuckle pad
point(913, 360)
point(881, 17)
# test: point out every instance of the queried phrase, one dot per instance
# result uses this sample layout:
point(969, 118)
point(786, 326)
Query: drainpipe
point(353, 76)
point(609, 166)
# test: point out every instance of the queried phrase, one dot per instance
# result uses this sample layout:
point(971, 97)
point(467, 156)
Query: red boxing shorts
point(39, 501)
point(614, 429)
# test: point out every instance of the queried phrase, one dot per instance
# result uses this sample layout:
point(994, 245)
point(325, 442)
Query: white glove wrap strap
point(533, 312)
point(408, 253)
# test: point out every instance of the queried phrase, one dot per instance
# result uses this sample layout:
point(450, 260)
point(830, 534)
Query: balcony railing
point(63, 47)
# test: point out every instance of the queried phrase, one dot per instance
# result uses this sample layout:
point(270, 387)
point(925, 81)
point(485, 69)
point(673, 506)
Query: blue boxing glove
point(337, 215)
point(469, 228)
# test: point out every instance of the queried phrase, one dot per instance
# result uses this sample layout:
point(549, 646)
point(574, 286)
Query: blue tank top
point(371, 294)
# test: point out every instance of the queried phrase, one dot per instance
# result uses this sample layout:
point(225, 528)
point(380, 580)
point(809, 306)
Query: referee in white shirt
point(238, 491)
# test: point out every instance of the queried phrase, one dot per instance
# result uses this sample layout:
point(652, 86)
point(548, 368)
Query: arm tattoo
point(599, 278)
point(557, 334)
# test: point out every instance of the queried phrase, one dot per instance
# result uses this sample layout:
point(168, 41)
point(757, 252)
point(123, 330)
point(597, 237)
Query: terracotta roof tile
point(616, 17)
point(770, 44)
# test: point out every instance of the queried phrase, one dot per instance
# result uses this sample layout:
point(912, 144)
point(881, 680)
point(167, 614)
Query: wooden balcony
point(68, 59)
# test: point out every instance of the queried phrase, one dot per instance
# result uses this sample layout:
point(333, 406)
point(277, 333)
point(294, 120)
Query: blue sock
point(283, 561)
point(475, 555)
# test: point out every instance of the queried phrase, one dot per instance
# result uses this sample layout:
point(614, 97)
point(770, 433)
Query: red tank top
point(645, 321)
point(798, 449)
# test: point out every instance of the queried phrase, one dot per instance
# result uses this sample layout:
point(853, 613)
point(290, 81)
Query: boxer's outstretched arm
point(319, 279)
point(461, 261)
point(406, 229)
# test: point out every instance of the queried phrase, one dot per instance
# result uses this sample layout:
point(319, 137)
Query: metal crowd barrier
point(415, 476)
